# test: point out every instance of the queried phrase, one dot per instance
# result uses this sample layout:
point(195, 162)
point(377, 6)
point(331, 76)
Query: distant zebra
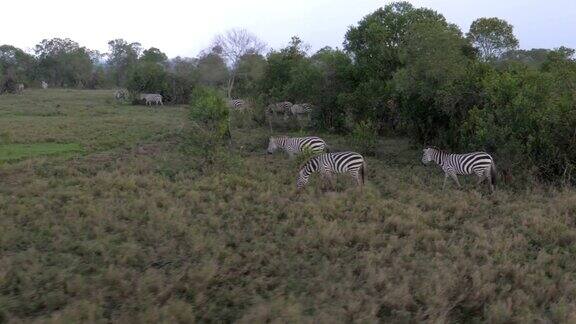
point(479, 163)
point(301, 109)
point(120, 94)
point(328, 164)
point(151, 98)
point(279, 108)
point(237, 104)
point(44, 85)
point(20, 87)
point(295, 145)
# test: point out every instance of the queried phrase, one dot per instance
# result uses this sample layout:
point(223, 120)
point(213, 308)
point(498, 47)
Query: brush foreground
point(132, 227)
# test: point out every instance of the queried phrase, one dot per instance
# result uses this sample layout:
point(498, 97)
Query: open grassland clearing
point(146, 231)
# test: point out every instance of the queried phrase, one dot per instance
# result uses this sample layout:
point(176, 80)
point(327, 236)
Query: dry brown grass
point(131, 235)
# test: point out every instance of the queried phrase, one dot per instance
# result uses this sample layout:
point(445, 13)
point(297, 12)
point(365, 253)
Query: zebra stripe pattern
point(479, 163)
point(328, 164)
point(151, 98)
point(280, 107)
point(301, 109)
point(237, 104)
point(120, 94)
point(295, 145)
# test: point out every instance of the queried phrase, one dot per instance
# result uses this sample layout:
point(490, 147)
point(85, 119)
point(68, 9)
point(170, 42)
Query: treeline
point(402, 71)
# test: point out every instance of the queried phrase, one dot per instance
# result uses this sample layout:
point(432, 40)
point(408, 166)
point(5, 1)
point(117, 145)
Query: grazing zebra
point(44, 85)
point(328, 164)
point(237, 104)
point(20, 87)
point(479, 163)
point(151, 98)
point(301, 109)
point(296, 145)
point(279, 108)
point(120, 94)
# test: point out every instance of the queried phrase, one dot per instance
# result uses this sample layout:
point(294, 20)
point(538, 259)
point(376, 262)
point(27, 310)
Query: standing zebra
point(296, 145)
point(328, 164)
point(151, 98)
point(479, 163)
point(279, 108)
point(120, 94)
point(237, 104)
point(44, 85)
point(301, 109)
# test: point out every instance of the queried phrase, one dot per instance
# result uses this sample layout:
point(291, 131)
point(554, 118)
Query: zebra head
point(427, 155)
point(272, 145)
point(303, 177)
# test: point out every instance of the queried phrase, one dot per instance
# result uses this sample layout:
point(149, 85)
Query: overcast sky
point(186, 27)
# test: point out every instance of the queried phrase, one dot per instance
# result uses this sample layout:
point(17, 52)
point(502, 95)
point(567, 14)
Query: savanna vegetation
point(111, 211)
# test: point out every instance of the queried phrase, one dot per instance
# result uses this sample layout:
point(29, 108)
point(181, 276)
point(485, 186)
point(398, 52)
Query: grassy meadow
point(107, 216)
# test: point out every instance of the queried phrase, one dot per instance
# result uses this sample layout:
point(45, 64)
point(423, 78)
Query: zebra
point(237, 104)
point(120, 94)
point(295, 145)
point(20, 87)
point(279, 108)
point(328, 164)
point(151, 98)
point(301, 109)
point(44, 85)
point(479, 163)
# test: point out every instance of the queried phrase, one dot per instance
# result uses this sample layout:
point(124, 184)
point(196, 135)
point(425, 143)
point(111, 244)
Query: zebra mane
point(438, 149)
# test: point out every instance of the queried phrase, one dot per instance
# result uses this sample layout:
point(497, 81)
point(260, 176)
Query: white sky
point(184, 28)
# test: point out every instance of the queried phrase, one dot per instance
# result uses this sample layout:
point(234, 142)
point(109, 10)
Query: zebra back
point(339, 162)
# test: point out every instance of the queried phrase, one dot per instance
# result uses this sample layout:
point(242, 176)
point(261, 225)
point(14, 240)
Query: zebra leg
point(489, 177)
point(445, 180)
point(455, 177)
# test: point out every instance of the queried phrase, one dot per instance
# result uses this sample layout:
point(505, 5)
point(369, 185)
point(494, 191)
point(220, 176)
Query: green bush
point(365, 137)
point(528, 120)
point(209, 117)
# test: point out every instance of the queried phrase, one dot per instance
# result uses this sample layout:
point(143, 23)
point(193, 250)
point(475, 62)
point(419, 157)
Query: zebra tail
point(327, 148)
point(493, 173)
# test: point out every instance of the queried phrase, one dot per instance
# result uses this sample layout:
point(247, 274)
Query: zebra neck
point(440, 157)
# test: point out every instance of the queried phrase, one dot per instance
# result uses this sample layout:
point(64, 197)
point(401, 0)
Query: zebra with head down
point(120, 94)
point(237, 104)
point(279, 108)
point(328, 164)
point(296, 145)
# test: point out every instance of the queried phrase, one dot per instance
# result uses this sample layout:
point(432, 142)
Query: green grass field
point(134, 228)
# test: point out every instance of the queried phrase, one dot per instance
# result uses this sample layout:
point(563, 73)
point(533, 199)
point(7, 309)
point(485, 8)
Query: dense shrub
point(209, 117)
point(528, 119)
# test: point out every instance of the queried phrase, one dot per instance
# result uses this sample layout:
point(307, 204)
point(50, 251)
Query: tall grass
point(142, 235)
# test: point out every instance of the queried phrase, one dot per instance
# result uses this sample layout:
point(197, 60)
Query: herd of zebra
point(328, 164)
point(284, 108)
point(148, 98)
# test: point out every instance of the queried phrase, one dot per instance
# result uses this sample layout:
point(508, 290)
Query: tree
point(431, 80)
point(278, 73)
point(63, 62)
point(123, 57)
point(19, 64)
point(376, 41)
point(234, 45)
point(212, 70)
point(153, 55)
point(492, 37)
point(250, 70)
